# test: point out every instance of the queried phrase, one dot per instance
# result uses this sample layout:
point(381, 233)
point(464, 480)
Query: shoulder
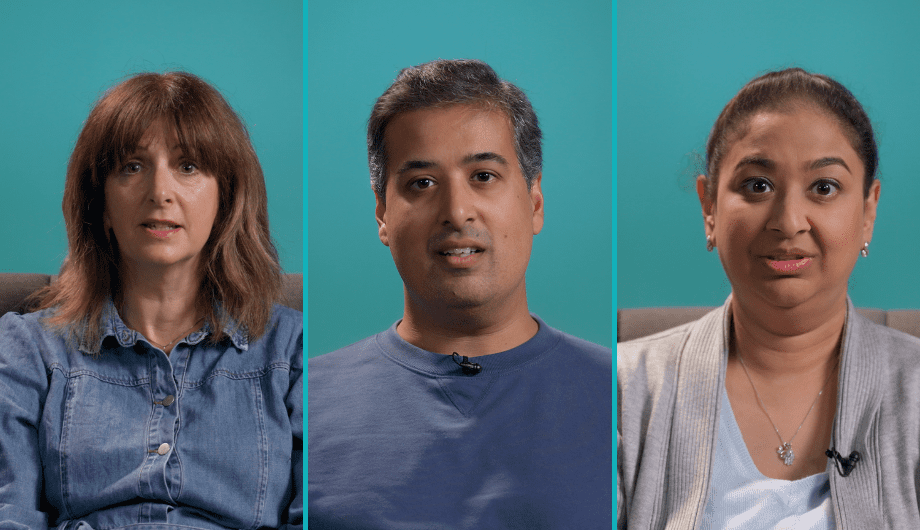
point(285, 316)
point(284, 334)
point(900, 352)
point(28, 329)
point(25, 341)
point(343, 360)
point(649, 365)
point(579, 350)
point(656, 350)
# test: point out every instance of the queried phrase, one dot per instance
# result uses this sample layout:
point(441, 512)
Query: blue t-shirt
point(210, 437)
point(401, 439)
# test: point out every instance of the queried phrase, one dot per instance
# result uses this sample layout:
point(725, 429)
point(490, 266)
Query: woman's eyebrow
point(755, 160)
point(829, 161)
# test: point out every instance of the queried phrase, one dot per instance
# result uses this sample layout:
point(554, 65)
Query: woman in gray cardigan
point(783, 408)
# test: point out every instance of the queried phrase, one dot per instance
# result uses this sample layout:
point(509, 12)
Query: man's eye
point(757, 186)
point(826, 188)
point(483, 176)
point(420, 184)
point(131, 168)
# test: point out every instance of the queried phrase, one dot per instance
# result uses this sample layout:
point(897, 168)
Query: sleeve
point(23, 387)
point(294, 514)
point(621, 495)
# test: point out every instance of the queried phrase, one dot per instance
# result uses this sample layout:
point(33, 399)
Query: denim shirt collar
point(113, 326)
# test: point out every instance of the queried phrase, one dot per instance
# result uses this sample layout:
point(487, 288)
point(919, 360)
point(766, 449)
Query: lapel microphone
point(844, 466)
point(465, 364)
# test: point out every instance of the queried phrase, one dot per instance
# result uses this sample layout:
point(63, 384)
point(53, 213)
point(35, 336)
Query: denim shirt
point(209, 437)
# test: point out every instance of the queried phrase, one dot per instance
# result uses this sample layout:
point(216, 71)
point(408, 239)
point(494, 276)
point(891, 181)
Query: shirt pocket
point(95, 457)
point(222, 445)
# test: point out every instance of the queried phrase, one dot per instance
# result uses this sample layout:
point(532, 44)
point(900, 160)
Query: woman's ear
point(708, 206)
point(869, 210)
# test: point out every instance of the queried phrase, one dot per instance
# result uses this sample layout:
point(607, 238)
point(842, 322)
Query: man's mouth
point(460, 252)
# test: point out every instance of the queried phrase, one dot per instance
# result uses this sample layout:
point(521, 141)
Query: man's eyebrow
point(755, 160)
point(485, 157)
point(409, 165)
point(829, 161)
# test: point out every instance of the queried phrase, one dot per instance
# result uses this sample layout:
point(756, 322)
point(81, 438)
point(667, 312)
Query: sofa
point(635, 323)
point(16, 287)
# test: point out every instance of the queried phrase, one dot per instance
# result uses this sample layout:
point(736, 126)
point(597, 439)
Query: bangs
point(192, 110)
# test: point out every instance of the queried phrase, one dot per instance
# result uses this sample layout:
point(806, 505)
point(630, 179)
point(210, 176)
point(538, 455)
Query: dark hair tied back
point(778, 90)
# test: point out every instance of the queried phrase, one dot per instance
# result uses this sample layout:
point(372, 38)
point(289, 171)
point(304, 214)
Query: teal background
point(559, 54)
point(678, 64)
point(59, 57)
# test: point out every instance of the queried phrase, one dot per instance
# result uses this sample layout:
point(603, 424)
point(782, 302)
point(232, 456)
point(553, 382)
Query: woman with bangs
point(160, 384)
point(784, 408)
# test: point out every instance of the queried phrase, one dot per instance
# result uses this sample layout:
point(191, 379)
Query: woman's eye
point(131, 168)
point(825, 188)
point(483, 176)
point(188, 167)
point(420, 184)
point(757, 186)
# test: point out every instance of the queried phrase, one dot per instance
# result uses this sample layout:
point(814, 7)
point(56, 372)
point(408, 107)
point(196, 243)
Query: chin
point(458, 297)
point(787, 296)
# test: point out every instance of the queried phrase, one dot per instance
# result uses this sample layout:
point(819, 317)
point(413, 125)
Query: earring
point(709, 244)
point(865, 250)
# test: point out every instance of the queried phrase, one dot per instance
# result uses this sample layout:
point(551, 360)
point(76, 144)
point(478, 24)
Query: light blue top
point(742, 497)
point(209, 437)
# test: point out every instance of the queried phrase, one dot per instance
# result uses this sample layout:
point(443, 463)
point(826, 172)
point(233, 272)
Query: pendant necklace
point(785, 449)
point(184, 333)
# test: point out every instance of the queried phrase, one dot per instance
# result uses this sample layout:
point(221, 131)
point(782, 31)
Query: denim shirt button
point(163, 449)
point(168, 400)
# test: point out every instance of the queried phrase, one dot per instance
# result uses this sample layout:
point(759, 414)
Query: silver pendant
point(785, 452)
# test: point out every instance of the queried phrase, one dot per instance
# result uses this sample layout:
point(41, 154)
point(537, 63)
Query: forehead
point(798, 135)
point(448, 134)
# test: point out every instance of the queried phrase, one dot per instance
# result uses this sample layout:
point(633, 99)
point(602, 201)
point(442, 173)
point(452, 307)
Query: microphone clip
point(465, 364)
point(844, 466)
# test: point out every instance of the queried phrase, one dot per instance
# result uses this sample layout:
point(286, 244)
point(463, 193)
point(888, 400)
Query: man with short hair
point(469, 412)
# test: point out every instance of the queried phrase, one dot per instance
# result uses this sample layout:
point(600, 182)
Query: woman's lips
point(161, 230)
point(791, 265)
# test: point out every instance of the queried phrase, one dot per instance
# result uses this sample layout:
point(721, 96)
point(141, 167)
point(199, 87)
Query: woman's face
point(160, 205)
point(790, 216)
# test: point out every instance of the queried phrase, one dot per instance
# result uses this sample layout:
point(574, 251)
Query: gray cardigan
point(668, 388)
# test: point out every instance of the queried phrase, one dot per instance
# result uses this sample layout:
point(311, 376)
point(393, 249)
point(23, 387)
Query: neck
point(789, 342)
point(161, 304)
point(470, 331)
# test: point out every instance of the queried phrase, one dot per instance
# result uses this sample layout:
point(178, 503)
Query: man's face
point(458, 217)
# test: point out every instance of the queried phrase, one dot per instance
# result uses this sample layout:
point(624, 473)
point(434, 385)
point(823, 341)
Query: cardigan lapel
point(856, 497)
point(700, 377)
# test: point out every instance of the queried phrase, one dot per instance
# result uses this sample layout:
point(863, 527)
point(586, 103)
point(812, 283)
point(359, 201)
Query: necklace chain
point(785, 449)
point(184, 333)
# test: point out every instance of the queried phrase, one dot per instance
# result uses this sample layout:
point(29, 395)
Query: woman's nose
point(789, 215)
point(161, 189)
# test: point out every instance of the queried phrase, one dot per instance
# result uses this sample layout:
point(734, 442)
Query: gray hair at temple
point(443, 83)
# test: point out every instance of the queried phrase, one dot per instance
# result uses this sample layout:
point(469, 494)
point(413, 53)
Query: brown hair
point(777, 90)
point(442, 83)
point(239, 262)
